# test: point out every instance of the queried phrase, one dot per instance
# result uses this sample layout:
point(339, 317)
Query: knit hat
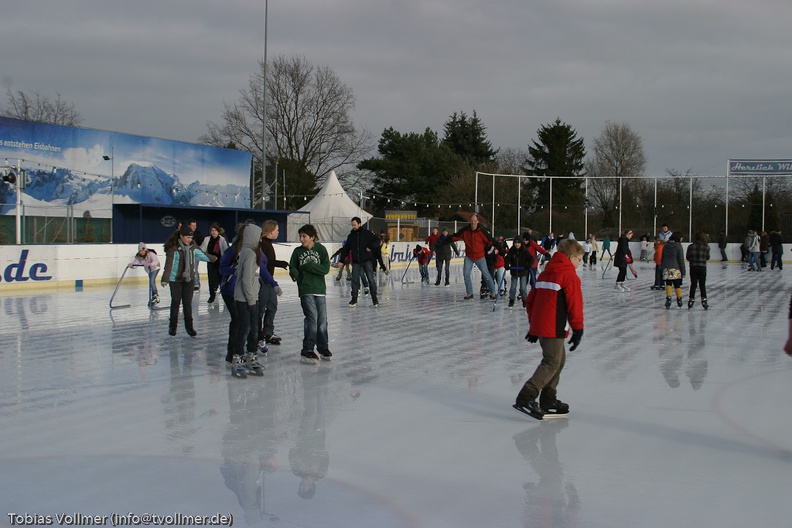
point(141, 247)
point(185, 231)
point(518, 240)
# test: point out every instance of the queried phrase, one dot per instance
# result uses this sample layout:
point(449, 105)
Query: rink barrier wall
point(70, 266)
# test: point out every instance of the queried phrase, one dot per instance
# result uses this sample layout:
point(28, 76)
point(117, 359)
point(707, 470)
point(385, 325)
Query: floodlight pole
point(264, 116)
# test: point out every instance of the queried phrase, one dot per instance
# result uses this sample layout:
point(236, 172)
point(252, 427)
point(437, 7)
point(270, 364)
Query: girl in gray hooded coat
point(246, 294)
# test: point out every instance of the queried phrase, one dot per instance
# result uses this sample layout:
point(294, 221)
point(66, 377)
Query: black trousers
point(698, 276)
point(181, 293)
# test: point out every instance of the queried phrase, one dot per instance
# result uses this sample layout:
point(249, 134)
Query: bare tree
point(39, 108)
point(616, 153)
point(309, 124)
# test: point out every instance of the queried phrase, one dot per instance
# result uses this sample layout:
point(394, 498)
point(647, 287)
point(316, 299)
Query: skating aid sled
point(116, 290)
point(607, 267)
point(151, 305)
point(408, 265)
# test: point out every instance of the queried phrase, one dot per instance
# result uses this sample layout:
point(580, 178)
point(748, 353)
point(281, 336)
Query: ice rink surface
point(678, 417)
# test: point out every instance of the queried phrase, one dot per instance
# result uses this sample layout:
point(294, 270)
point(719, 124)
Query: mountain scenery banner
point(92, 169)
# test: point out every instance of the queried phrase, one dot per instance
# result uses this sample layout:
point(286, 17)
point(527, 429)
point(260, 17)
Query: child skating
point(558, 286)
point(246, 295)
point(150, 261)
point(673, 268)
point(308, 266)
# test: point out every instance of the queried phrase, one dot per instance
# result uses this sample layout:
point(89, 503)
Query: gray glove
point(278, 291)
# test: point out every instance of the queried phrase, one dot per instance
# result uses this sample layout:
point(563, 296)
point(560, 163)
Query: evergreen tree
point(410, 167)
point(558, 152)
point(467, 137)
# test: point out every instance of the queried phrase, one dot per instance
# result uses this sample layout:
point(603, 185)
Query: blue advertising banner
point(92, 169)
point(759, 167)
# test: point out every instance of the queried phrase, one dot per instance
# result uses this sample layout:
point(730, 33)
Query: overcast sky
point(700, 81)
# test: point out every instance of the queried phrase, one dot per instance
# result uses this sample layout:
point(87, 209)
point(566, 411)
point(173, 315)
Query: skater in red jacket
point(554, 307)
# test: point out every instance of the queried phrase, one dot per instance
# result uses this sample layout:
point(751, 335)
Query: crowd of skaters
point(243, 271)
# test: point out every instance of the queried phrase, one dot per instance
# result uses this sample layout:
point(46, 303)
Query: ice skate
point(557, 408)
point(326, 354)
point(468, 296)
point(273, 339)
point(155, 298)
point(668, 303)
point(511, 304)
point(704, 304)
point(625, 287)
point(679, 302)
point(252, 364)
point(374, 301)
point(691, 302)
point(238, 370)
point(309, 358)
point(530, 408)
point(353, 302)
point(263, 349)
point(365, 291)
point(619, 287)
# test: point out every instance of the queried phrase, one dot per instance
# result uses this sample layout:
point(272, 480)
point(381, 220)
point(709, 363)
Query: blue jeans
point(315, 326)
point(153, 282)
point(481, 264)
point(363, 270)
point(523, 287)
point(753, 261)
point(247, 328)
point(268, 307)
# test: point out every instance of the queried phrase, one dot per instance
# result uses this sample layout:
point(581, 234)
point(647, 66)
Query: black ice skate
point(691, 302)
point(668, 303)
point(326, 354)
point(556, 408)
point(530, 408)
point(273, 339)
point(309, 358)
point(679, 302)
point(704, 304)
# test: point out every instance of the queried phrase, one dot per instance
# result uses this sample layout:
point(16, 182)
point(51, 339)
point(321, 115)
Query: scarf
point(189, 261)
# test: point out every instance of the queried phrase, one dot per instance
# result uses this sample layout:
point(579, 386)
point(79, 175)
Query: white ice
point(679, 417)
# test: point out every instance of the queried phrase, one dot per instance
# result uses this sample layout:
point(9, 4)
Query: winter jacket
point(475, 241)
point(215, 246)
point(308, 267)
point(174, 263)
point(228, 272)
point(533, 249)
point(519, 261)
point(556, 303)
point(360, 245)
point(776, 243)
point(150, 262)
point(272, 260)
point(658, 254)
point(247, 271)
point(422, 255)
point(673, 256)
point(443, 247)
point(620, 259)
point(698, 254)
point(265, 277)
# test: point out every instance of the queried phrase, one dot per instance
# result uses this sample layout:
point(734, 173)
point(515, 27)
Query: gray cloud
point(700, 81)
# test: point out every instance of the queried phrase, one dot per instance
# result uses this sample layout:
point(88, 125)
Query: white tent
point(331, 210)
